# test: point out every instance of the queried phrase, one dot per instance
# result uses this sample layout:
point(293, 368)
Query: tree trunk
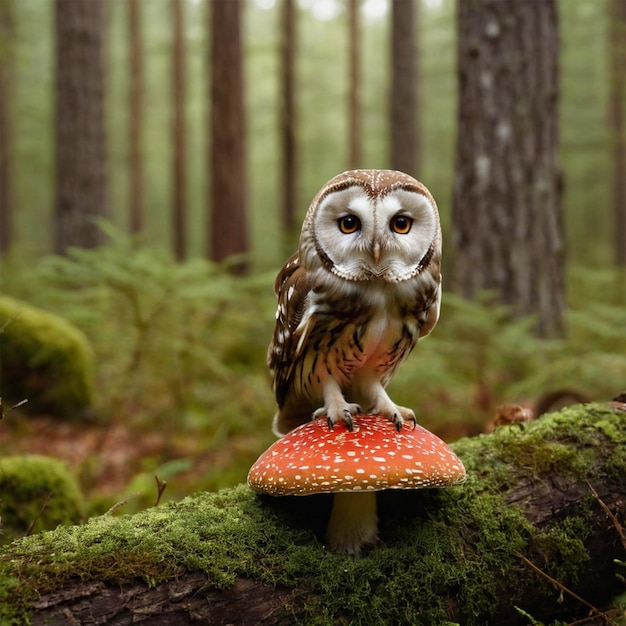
point(135, 118)
point(179, 133)
point(80, 141)
point(405, 138)
point(617, 124)
point(288, 121)
point(354, 80)
point(536, 493)
point(229, 227)
point(506, 214)
point(6, 113)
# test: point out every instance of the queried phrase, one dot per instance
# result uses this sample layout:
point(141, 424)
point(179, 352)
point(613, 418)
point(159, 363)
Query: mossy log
point(454, 555)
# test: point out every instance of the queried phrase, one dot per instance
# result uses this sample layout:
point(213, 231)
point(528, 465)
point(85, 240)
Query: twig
point(43, 508)
point(591, 619)
point(618, 526)
point(562, 587)
point(121, 503)
point(15, 406)
point(161, 485)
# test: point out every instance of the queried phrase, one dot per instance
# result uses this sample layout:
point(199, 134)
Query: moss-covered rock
point(36, 490)
point(45, 360)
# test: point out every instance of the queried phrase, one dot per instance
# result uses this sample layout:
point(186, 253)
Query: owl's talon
point(334, 414)
point(397, 421)
point(409, 416)
point(397, 415)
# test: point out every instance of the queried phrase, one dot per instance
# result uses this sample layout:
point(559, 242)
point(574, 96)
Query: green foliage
point(37, 491)
point(45, 360)
point(480, 356)
point(168, 337)
point(585, 134)
point(180, 348)
point(533, 622)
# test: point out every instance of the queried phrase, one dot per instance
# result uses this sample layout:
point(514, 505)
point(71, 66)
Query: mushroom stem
point(353, 522)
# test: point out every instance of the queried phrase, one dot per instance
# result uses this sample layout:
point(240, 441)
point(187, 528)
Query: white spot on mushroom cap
point(313, 459)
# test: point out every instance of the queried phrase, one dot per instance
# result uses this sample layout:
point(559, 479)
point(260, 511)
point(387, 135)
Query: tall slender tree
point(404, 95)
point(80, 142)
point(135, 117)
point(617, 123)
point(179, 132)
point(6, 112)
point(354, 81)
point(506, 215)
point(288, 119)
point(229, 224)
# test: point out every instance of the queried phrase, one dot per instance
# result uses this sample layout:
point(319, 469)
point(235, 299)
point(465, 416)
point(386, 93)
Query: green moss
point(462, 543)
point(45, 360)
point(546, 445)
point(27, 483)
point(562, 547)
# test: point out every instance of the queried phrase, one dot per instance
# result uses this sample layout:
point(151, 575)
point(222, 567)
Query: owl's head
point(371, 224)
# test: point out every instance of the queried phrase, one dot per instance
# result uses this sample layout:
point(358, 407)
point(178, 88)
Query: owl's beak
point(376, 252)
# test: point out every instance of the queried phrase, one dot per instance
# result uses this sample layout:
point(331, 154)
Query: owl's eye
point(401, 224)
point(349, 224)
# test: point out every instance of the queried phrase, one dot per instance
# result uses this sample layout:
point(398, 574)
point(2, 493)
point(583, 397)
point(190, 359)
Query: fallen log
point(535, 532)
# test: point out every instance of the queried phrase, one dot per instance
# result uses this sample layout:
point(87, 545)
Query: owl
point(363, 287)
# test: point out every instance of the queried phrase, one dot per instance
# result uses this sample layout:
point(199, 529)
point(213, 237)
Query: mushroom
point(354, 465)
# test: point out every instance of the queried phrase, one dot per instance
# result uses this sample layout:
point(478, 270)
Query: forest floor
point(107, 458)
point(115, 450)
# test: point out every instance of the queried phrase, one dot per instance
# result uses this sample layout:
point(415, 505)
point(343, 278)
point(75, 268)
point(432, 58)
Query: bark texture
point(135, 117)
point(187, 600)
point(355, 142)
point(507, 223)
point(405, 138)
point(288, 119)
point(617, 122)
point(179, 132)
point(229, 228)
point(444, 555)
point(80, 142)
point(7, 33)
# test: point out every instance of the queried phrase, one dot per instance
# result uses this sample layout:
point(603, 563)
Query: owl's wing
point(292, 286)
point(429, 314)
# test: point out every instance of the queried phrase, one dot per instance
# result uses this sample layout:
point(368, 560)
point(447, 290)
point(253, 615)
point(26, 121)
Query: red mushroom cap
point(374, 456)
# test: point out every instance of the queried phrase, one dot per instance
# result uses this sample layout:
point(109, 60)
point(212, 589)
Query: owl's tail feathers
point(290, 416)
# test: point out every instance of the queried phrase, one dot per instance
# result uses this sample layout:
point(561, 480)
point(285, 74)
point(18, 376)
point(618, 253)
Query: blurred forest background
point(157, 158)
